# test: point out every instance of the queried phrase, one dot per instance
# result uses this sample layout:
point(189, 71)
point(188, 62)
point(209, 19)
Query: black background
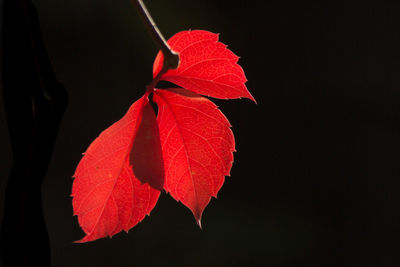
point(316, 177)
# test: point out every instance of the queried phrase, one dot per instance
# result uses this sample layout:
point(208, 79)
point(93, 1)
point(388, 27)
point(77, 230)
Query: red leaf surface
point(107, 196)
point(187, 150)
point(206, 66)
point(197, 145)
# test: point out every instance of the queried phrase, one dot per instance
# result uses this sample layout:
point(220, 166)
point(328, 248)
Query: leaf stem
point(171, 58)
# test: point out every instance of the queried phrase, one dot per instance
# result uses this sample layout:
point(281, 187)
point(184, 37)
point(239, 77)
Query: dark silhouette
point(35, 103)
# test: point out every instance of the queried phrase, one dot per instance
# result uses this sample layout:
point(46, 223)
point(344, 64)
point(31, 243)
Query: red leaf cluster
point(187, 149)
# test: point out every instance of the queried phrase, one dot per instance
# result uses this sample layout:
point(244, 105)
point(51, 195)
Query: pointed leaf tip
point(199, 223)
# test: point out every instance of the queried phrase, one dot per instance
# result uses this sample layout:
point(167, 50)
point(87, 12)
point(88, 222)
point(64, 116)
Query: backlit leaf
point(197, 145)
point(107, 196)
point(206, 66)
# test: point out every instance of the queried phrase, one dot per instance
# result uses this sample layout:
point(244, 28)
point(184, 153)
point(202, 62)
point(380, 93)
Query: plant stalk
point(171, 58)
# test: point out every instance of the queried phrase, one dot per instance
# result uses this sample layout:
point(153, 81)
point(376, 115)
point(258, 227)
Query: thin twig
point(171, 58)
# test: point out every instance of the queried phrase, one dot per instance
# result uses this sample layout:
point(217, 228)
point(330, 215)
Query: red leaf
point(197, 145)
point(206, 66)
point(107, 196)
point(146, 155)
